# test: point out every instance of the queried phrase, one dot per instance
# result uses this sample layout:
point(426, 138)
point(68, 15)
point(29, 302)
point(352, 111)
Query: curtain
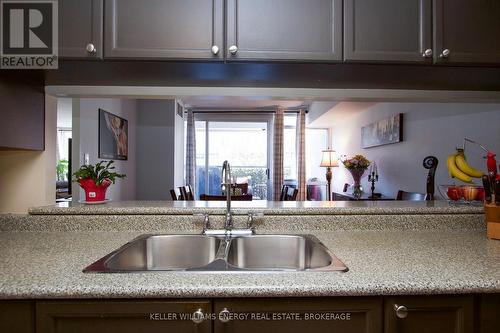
point(278, 154)
point(191, 151)
point(301, 156)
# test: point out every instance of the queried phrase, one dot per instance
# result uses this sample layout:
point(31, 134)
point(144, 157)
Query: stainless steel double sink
point(201, 253)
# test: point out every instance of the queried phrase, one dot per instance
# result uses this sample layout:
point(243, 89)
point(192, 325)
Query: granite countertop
point(267, 207)
point(45, 264)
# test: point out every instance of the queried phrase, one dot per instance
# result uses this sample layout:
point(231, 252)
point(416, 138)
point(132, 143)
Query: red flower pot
point(94, 192)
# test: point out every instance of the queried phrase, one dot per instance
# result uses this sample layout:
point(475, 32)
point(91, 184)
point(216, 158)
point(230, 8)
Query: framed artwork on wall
point(113, 136)
point(383, 132)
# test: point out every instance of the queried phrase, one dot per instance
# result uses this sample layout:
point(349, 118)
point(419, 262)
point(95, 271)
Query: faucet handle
point(251, 218)
point(206, 220)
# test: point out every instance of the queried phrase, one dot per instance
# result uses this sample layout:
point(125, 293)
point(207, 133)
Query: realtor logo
point(28, 34)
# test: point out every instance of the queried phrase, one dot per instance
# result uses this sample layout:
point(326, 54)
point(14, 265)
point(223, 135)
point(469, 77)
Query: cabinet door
point(17, 317)
point(489, 310)
point(300, 30)
point(177, 29)
point(469, 30)
point(120, 316)
point(343, 314)
point(80, 29)
point(387, 31)
point(429, 314)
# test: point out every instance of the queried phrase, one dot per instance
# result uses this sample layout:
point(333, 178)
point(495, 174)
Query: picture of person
point(113, 136)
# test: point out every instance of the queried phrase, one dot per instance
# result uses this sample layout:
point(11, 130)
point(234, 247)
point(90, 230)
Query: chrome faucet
point(226, 185)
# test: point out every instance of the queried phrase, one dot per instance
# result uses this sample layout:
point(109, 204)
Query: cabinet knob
point(91, 48)
point(427, 53)
point(198, 316)
point(233, 49)
point(225, 315)
point(401, 311)
point(445, 53)
point(215, 50)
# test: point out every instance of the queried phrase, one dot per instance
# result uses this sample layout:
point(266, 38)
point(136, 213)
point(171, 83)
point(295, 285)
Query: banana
point(465, 167)
point(454, 171)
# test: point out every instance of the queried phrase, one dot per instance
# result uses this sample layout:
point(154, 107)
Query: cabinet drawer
point(120, 316)
point(347, 314)
point(439, 314)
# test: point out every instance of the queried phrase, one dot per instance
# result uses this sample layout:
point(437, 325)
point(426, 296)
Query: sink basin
point(201, 253)
point(281, 252)
point(159, 253)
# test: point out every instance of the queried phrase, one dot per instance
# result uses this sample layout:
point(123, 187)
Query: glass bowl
point(462, 193)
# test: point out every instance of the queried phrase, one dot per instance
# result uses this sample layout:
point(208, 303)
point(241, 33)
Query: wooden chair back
point(288, 193)
point(175, 193)
point(291, 194)
point(284, 190)
point(208, 197)
point(411, 196)
point(186, 193)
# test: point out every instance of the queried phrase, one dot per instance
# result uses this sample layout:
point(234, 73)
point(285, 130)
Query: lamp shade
point(329, 158)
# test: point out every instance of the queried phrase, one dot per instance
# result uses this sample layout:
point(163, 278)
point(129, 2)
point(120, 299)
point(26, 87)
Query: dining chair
point(288, 193)
point(411, 196)
point(175, 193)
point(186, 193)
point(208, 197)
point(284, 190)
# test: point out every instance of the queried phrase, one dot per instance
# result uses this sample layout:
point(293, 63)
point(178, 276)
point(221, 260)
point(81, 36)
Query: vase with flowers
point(357, 166)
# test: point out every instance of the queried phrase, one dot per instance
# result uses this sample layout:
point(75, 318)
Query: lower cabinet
point(391, 314)
point(439, 314)
point(120, 316)
point(17, 317)
point(340, 314)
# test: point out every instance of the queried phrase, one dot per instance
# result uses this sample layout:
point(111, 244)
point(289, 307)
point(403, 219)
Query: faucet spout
point(226, 185)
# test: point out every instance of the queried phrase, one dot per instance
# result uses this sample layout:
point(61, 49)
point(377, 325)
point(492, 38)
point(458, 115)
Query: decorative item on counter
point(459, 168)
point(357, 166)
point(373, 177)
point(329, 160)
point(430, 163)
point(95, 180)
point(492, 212)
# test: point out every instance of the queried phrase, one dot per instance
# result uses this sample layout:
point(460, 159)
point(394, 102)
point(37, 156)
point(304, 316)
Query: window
point(243, 141)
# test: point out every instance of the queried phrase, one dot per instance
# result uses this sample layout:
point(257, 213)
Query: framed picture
point(383, 132)
point(113, 136)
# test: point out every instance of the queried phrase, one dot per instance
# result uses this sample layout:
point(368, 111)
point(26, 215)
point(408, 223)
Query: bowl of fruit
point(462, 193)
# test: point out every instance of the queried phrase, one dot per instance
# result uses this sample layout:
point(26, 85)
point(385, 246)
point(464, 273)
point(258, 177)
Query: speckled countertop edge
point(266, 207)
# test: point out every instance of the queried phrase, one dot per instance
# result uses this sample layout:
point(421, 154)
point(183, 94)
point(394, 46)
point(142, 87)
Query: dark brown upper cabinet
point(289, 30)
point(430, 314)
point(164, 29)
point(388, 31)
point(467, 31)
point(80, 29)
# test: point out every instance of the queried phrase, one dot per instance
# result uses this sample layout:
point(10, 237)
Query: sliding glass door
point(243, 140)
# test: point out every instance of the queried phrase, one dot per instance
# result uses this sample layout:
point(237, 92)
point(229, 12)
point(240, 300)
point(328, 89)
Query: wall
point(429, 129)
point(179, 145)
point(27, 178)
point(85, 141)
point(156, 124)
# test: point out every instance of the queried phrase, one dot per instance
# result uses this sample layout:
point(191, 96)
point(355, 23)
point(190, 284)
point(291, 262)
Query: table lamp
point(329, 160)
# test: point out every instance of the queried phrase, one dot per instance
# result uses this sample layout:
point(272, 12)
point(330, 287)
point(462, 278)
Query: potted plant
point(357, 166)
point(95, 180)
